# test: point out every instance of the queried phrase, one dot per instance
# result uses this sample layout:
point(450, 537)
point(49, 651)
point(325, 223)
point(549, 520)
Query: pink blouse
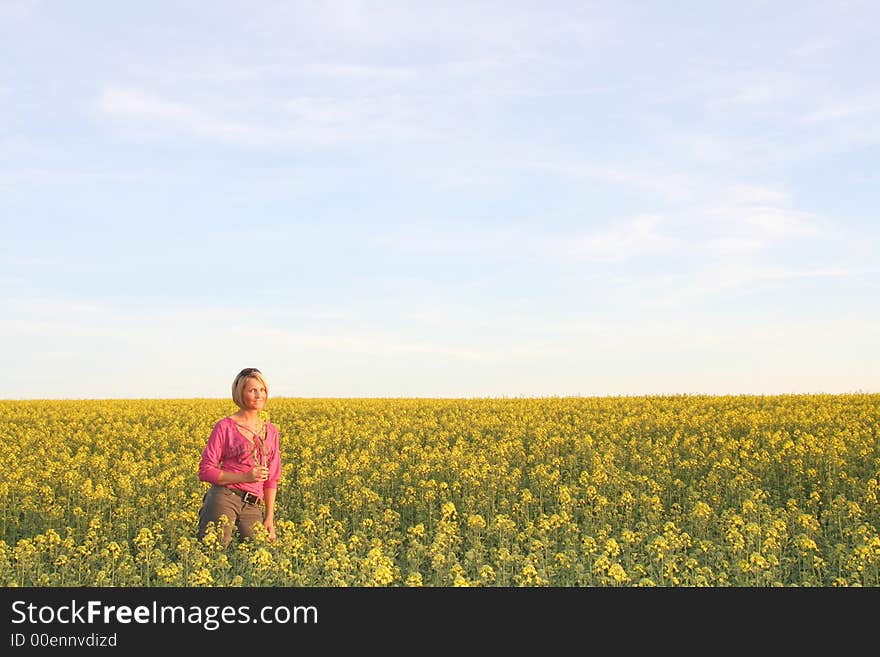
point(228, 450)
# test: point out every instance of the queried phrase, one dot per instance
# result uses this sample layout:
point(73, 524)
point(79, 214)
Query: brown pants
point(220, 501)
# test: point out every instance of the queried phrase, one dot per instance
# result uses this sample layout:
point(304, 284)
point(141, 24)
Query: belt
point(249, 498)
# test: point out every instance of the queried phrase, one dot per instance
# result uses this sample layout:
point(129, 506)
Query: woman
point(242, 461)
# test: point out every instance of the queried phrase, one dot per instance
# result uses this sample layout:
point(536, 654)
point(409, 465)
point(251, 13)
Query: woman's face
point(253, 395)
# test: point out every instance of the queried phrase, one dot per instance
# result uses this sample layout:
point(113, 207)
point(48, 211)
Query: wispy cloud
point(615, 241)
point(16, 9)
point(670, 186)
point(738, 276)
point(152, 111)
point(751, 228)
point(309, 120)
point(438, 240)
point(362, 72)
point(48, 174)
point(725, 230)
point(365, 112)
point(761, 88)
point(844, 109)
point(626, 239)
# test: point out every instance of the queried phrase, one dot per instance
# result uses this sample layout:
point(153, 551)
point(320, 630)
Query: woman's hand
point(257, 473)
point(270, 527)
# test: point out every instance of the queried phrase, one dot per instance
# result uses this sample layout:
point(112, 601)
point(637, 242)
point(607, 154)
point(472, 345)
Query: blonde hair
point(240, 382)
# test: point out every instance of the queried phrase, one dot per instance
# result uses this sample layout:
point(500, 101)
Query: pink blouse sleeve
point(274, 462)
point(209, 466)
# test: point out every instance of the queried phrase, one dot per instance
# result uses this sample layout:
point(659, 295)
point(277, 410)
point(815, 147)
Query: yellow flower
point(618, 574)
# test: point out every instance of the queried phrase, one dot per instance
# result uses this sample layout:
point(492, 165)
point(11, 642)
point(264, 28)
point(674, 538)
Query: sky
point(439, 198)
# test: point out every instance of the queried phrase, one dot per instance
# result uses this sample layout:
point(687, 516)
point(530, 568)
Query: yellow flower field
point(607, 491)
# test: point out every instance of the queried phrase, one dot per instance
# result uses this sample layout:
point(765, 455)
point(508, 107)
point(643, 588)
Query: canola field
point(745, 491)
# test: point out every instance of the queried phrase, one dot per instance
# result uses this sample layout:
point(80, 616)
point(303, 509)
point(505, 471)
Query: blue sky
point(450, 199)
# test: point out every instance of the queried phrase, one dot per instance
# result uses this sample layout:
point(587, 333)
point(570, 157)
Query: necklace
point(259, 436)
point(255, 432)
